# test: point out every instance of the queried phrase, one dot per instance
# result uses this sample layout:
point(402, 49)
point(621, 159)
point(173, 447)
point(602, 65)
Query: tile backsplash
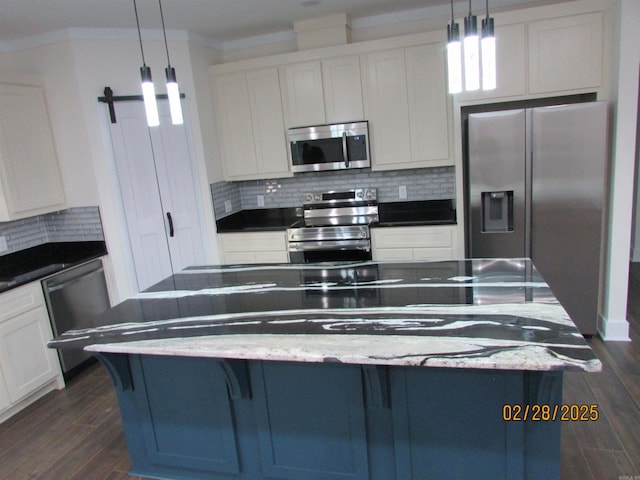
point(421, 184)
point(71, 225)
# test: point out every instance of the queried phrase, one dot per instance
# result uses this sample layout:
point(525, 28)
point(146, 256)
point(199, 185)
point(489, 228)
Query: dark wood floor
point(76, 434)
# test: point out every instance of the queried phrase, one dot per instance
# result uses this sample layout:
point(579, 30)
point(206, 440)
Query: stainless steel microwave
point(330, 147)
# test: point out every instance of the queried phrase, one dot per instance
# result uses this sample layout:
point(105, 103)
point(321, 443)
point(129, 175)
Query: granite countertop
point(37, 262)
point(392, 214)
point(489, 314)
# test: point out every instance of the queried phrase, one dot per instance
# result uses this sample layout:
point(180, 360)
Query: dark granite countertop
point(481, 313)
point(392, 214)
point(40, 261)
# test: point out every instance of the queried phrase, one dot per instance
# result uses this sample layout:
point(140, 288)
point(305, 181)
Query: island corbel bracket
point(237, 376)
point(119, 369)
point(376, 386)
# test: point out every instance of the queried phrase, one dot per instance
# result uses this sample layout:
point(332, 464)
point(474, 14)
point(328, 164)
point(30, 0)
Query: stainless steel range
point(336, 226)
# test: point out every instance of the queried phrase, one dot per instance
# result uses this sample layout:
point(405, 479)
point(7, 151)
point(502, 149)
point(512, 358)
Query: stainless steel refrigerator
point(535, 187)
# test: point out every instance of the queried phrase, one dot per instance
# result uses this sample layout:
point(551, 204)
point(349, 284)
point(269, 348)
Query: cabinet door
point(300, 405)
point(565, 53)
point(302, 94)
point(236, 126)
point(511, 54)
point(388, 109)
point(268, 123)
point(342, 89)
point(26, 362)
point(31, 180)
point(174, 162)
point(428, 104)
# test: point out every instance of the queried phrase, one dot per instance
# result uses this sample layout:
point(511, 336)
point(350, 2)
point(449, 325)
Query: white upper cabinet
point(511, 66)
point(302, 95)
point(565, 53)
point(319, 92)
point(408, 107)
point(388, 108)
point(30, 182)
point(342, 89)
point(250, 120)
point(428, 103)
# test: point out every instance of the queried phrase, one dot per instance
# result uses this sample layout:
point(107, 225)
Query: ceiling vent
point(322, 31)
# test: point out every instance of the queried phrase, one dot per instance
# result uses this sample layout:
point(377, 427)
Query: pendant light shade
point(471, 52)
point(173, 92)
point(149, 97)
point(488, 46)
point(454, 55)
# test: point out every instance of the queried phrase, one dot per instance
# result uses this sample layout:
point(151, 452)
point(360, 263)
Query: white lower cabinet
point(414, 243)
point(253, 247)
point(28, 369)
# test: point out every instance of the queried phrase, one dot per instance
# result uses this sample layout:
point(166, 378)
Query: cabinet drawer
point(20, 300)
point(412, 237)
point(252, 242)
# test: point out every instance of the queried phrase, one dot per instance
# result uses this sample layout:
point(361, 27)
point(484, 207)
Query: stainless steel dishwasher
point(75, 297)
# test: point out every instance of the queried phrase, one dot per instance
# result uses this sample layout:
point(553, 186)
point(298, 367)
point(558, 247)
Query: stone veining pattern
point(490, 314)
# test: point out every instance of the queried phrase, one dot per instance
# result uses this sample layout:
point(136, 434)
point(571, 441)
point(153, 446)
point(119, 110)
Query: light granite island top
point(480, 313)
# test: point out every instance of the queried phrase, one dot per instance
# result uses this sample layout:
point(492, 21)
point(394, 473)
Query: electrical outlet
point(260, 199)
point(402, 191)
point(227, 206)
point(3, 244)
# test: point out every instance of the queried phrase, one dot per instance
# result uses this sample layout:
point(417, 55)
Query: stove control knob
point(370, 194)
point(308, 197)
point(317, 197)
point(359, 194)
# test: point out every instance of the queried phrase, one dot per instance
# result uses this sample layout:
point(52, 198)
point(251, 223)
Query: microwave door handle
point(345, 152)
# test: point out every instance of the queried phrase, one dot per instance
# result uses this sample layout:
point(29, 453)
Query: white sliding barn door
point(156, 176)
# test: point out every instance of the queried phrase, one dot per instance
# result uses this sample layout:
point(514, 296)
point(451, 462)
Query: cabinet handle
point(345, 152)
point(170, 224)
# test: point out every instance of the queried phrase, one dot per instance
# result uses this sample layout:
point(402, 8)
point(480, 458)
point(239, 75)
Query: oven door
point(329, 251)
point(329, 147)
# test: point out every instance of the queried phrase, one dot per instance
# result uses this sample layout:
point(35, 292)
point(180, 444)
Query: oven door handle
point(345, 151)
point(330, 245)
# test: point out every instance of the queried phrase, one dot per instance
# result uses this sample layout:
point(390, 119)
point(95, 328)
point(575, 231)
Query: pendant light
point(173, 92)
point(488, 46)
point(148, 90)
point(471, 52)
point(454, 55)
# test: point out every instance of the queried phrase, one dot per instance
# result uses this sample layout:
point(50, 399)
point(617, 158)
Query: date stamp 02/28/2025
point(545, 413)
point(628, 477)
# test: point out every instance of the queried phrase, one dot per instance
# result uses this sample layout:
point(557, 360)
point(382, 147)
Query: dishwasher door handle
point(54, 286)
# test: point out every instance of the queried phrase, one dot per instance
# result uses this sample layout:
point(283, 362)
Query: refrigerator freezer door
point(568, 164)
point(496, 179)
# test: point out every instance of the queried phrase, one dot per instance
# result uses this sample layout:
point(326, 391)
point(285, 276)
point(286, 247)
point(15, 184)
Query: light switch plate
point(227, 206)
point(402, 191)
point(3, 244)
point(261, 200)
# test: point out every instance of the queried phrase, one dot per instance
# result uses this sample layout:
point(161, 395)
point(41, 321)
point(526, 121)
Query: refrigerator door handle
point(528, 173)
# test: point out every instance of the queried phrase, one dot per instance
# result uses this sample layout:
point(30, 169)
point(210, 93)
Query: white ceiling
point(220, 20)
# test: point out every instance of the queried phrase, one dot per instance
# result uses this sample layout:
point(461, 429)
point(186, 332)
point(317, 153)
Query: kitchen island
point(343, 371)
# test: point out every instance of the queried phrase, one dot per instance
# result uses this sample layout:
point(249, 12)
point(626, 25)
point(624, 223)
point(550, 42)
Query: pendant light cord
point(452, 18)
point(164, 32)
point(487, 9)
point(469, 7)
point(135, 9)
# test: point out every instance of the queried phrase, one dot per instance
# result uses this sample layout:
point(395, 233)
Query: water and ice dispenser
point(497, 211)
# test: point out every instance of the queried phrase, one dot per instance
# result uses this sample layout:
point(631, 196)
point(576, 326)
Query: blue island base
point(217, 419)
